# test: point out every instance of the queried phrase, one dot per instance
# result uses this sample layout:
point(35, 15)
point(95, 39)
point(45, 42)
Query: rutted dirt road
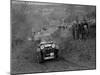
point(25, 61)
point(54, 65)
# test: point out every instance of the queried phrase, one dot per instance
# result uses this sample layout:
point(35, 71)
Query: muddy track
point(73, 64)
point(65, 62)
point(53, 66)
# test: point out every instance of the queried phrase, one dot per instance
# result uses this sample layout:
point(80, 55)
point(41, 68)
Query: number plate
point(51, 54)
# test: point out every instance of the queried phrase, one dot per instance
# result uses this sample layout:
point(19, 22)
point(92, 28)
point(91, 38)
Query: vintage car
point(47, 50)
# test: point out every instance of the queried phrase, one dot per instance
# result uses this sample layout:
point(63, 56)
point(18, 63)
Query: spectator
point(75, 30)
point(85, 30)
point(80, 29)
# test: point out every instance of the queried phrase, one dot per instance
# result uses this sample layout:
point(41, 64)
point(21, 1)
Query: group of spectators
point(80, 30)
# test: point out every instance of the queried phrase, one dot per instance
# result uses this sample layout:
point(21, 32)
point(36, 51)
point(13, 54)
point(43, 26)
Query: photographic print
point(52, 37)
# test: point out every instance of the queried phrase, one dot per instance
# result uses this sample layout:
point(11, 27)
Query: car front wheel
point(56, 53)
point(40, 57)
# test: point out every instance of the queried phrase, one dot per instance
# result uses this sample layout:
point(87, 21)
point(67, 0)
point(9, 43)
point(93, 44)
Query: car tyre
point(40, 57)
point(56, 53)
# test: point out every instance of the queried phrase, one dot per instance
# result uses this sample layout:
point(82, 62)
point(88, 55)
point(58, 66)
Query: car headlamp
point(42, 47)
point(53, 45)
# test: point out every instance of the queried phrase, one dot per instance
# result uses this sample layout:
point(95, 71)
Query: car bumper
point(46, 58)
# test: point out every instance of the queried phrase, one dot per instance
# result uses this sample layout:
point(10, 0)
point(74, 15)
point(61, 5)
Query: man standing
point(75, 30)
point(85, 30)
